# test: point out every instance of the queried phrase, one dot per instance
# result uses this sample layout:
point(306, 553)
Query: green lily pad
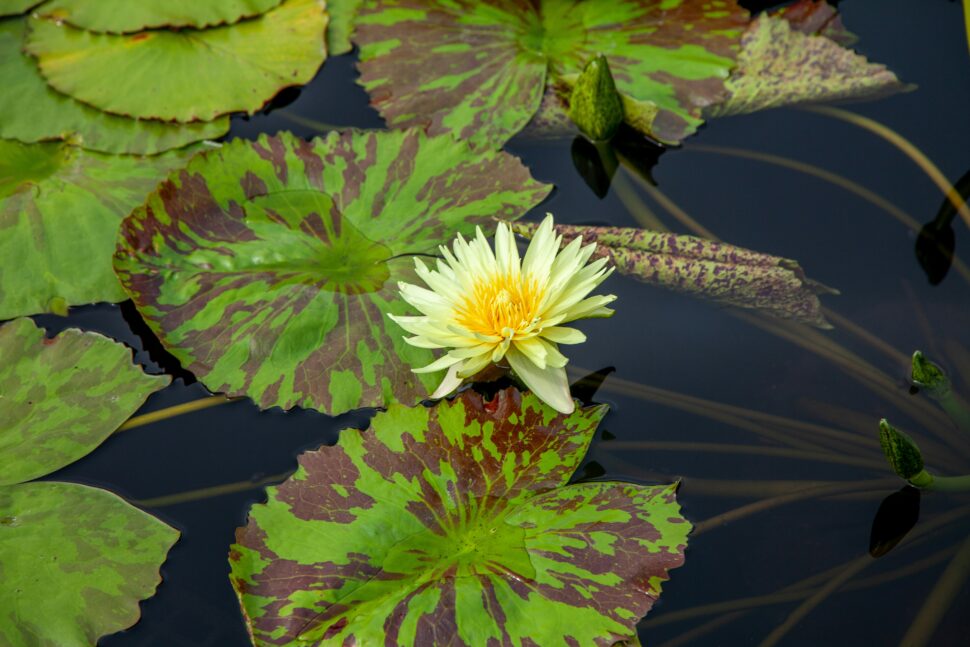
point(268, 268)
point(75, 562)
point(772, 71)
point(343, 14)
point(32, 112)
point(455, 525)
point(60, 207)
point(125, 16)
point(184, 75)
point(707, 269)
point(17, 7)
point(62, 397)
point(480, 69)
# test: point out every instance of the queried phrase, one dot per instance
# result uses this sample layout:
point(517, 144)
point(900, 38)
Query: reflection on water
point(772, 427)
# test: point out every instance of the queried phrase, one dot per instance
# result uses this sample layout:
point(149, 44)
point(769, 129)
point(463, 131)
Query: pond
point(771, 426)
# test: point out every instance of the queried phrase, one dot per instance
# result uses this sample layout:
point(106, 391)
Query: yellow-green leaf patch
point(188, 74)
point(61, 397)
point(268, 268)
point(125, 16)
point(30, 111)
point(454, 525)
point(75, 562)
point(60, 207)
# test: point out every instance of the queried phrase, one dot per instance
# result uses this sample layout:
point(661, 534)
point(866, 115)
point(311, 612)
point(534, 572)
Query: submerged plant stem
point(774, 502)
point(175, 410)
point(938, 602)
point(636, 207)
point(757, 450)
point(906, 147)
point(210, 492)
point(819, 596)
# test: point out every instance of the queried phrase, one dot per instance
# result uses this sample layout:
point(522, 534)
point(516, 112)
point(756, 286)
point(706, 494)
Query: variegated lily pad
point(61, 397)
point(75, 562)
point(184, 75)
point(125, 16)
point(268, 268)
point(31, 112)
point(773, 71)
point(454, 525)
point(480, 69)
point(724, 273)
point(60, 207)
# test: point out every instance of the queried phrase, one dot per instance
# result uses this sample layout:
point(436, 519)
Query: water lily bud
point(900, 450)
point(595, 105)
point(927, 375)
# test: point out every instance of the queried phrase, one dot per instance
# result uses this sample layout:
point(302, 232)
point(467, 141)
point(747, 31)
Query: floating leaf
point(780, 66)
point(17, 7)
point(125, 16)
point(480, 69)
point(343, 13)
point(60, 207)
point(31, 112)
point(816, 17)
point(268, 268)
point(455, 525)
point(731, 275)
point(184, 75)
point(60, 398)
point(75, 562)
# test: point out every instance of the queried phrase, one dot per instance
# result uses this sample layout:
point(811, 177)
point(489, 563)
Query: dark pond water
point(675, 360)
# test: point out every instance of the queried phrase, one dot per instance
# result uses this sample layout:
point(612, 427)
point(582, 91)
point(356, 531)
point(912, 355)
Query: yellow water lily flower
point(487, 306)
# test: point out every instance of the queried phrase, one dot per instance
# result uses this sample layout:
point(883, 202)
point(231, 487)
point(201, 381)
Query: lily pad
point(62, 397)
point(480, 69)
point(17, 7)
point(268, 268)
point(720, 272)
point(60, 207)
point(125, 16)
point(184, 75)
point(31, 112)
point(772, 71)
point(816, 17)
point(343, 14)
point(455, 525)
point(75, 561)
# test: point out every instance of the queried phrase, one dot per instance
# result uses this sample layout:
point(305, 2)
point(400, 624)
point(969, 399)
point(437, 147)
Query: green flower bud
point(900, 450)
point(927, 375)
point(595, 105)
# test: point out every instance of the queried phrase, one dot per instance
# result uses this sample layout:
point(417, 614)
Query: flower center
point(503, 305)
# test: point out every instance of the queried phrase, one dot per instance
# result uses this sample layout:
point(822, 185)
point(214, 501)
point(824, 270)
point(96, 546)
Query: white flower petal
point(548, 384)
point(563, 335)
point(450, 382)
point(440, 363)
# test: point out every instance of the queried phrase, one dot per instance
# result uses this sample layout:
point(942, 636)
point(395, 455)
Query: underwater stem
point(938, 602)
point(906, 147)
point(175, 410)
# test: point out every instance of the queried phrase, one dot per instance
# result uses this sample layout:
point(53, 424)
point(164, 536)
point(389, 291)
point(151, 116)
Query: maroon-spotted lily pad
point(268, 268)
point(480, 69)
point(456, 525)
point(781, 65)
point(816, 17)
point(720, 272)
